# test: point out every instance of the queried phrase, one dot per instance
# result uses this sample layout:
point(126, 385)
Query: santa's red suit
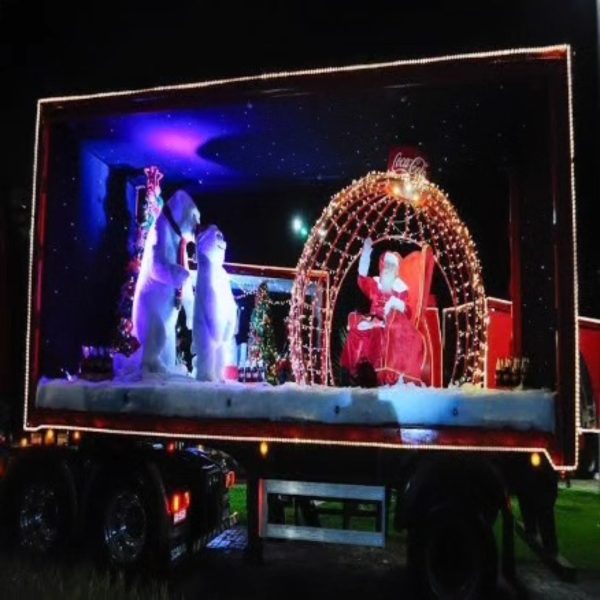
point(386, 337)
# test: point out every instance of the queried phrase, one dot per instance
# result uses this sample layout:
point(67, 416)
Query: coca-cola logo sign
point(408, 160)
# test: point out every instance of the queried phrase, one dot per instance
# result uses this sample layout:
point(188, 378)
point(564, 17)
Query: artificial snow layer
point(406, 405)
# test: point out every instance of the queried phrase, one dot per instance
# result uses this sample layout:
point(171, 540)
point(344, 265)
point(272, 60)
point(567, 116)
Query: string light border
point(306, 441)
point(563, 50)
point(465, 56)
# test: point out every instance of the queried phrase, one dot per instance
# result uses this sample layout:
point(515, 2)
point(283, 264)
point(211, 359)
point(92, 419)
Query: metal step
point(323, 492)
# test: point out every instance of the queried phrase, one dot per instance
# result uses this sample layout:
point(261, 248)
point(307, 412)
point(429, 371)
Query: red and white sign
point(406, 159)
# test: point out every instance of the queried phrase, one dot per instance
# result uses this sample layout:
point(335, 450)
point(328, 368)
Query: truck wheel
point(41, 516)
point(126, 527)
point(452, 554)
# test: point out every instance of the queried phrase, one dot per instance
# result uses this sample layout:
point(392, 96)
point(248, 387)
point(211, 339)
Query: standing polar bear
point(161, 275)
point(215, 310)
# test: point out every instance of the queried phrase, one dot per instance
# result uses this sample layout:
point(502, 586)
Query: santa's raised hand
point(365, 257)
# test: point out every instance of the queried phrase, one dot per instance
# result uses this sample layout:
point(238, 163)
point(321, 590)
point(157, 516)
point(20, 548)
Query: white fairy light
point(307, 441)
point(467, 56)
point(32, 241)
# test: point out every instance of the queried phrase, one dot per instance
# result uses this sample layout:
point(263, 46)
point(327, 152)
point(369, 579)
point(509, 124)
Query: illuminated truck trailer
point(359, 283)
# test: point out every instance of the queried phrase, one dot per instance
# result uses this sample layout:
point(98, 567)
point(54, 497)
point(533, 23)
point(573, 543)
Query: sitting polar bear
point(154, 307)
point(215, 310)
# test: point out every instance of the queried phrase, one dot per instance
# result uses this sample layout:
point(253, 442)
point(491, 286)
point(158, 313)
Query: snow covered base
point(403, 404)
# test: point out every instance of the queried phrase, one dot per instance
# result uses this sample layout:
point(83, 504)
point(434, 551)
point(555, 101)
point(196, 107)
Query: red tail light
point(179, 504)
point(230, 479)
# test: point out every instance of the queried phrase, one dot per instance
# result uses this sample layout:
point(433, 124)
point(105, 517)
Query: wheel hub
point(125, 527)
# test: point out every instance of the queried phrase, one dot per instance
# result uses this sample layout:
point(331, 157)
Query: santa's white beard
point(386, 279)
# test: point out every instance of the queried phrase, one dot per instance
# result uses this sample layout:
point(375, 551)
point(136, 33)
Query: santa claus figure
point(386, 338)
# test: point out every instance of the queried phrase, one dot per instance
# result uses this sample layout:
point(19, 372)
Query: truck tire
point(42, 515)
point(452, 554)
point(127, 527)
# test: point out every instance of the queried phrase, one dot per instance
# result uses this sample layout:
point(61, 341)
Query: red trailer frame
point(552, 65)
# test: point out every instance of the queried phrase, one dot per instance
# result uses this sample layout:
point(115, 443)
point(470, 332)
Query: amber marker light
point(263, 449)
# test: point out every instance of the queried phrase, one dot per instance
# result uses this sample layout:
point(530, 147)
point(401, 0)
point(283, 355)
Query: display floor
point(403, 404)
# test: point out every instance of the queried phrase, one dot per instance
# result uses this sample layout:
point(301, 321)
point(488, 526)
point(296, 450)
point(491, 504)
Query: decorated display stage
point(405, 405)
point(316, 256)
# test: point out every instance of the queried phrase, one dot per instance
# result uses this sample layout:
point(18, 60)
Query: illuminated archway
point(386, 206)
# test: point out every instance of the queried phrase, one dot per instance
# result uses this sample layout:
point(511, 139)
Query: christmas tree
point(261, 339)
point(125, 342)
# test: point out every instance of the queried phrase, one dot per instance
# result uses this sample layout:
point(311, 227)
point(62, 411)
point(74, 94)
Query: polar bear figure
point(215, 310)
point(154, 307)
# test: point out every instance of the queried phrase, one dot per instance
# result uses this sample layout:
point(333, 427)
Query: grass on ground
point(21, 578)
point(577, 521)
point(578, 527)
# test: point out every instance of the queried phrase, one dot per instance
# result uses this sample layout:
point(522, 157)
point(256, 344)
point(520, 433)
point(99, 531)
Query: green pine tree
point(261, 339)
